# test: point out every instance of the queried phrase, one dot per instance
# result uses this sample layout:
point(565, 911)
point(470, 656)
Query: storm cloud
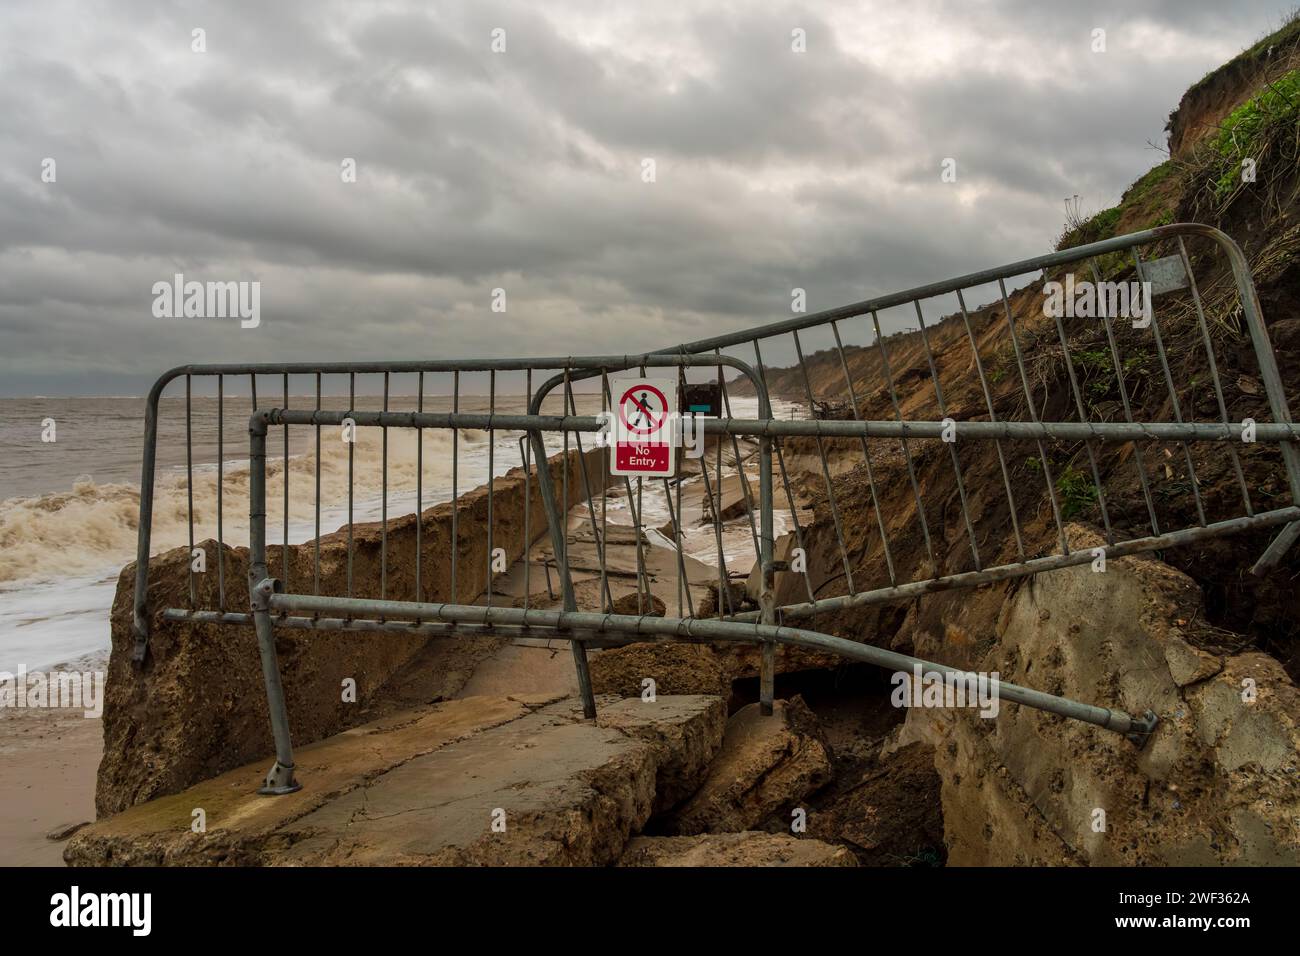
point(522, 169)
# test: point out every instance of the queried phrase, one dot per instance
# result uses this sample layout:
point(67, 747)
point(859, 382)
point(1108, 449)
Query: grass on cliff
point(1264, 129)
point(1287, 33)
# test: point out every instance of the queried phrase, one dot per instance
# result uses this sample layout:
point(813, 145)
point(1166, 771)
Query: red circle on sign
point(663, 410)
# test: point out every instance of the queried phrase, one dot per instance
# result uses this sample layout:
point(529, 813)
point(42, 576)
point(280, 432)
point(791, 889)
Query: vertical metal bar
point(1173, 391)
point(767, 666)
point(993, 417)
point(528, 497)
point(676, 456)
point(419, 490)
point(604, 514)
point(148, 458)
point(866, 455)
point(1084, 418)
point(315, 574)
point(724, 579)
point(606, 597)
point(491, 482)
point(280, 779)
point(1123, 396)
point(383, 504)
point(952, 446)
point(907, 451)
point(562, 556)
point(352, 449)
point(798, 529)
point(1214, 373)
point(715, 505)
point(682, 585)
point(189, 489)
point(1033, 414)
point(1267, 361)
point(740, 465)
point(221, 454)
point(252, 391)
point(826, 471)
point(785, 481)
point(556, 520)
point(284, 535)
point(455, 502)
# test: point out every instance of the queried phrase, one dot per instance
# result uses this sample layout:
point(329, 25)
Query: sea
point(69, 507)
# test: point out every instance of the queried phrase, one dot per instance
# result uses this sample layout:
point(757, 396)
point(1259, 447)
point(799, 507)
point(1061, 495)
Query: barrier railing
point(581, 629)
point(906, 448)
point(1109, 362)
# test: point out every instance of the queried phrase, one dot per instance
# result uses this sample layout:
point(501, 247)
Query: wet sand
point(49, 757)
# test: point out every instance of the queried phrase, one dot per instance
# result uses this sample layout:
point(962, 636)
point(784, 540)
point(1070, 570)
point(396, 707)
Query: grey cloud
point(775, 169)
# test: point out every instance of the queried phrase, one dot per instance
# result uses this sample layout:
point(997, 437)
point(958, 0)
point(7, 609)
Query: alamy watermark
point(73, 690)
point(1095, 300)
point(74, 908)
point(179, 299)
point(946, 689)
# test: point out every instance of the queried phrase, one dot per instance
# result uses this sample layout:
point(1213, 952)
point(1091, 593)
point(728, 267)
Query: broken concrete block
point(766, 766)
point(474, 781)
point(539, 791)
point(748, 848)
point(685, 731)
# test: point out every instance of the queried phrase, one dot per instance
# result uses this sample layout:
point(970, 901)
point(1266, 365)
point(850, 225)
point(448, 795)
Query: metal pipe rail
point(905, 432)
point(631, 629)
point(581, 629)
point(776, 428)
point(964, 430)
point(759, 444)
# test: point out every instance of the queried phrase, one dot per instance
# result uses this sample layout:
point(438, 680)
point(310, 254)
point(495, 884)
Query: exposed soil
point(885, 809)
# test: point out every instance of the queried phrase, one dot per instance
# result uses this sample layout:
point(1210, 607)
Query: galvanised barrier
point(754, 444)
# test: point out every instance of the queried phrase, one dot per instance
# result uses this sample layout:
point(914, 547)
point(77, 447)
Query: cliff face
point(1207, 103)
point(1183, 635)
point(198, 709)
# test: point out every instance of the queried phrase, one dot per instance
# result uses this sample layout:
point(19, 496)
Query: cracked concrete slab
point(484, 780)
point(748, 848)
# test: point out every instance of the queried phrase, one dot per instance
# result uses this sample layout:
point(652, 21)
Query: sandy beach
point(50, 757)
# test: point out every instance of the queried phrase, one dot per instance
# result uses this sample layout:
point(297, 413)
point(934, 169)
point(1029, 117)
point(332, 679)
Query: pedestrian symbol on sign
point(642, 444)
point(644, 409)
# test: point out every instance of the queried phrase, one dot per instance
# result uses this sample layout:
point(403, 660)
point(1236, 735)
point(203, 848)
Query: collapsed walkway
point(315, 625)
point(476, 781)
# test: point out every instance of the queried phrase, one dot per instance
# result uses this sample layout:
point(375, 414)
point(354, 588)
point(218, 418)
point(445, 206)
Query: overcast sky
point(523, 169)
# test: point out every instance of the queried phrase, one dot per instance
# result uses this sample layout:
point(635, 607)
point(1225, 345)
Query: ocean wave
point(94, 526)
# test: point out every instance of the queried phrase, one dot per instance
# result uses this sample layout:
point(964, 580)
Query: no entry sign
point(643, 416)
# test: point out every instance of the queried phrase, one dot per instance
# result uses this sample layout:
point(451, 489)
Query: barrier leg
point(280, 779)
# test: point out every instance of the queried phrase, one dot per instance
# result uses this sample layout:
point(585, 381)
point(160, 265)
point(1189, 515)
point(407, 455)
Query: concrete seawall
point(198, 708)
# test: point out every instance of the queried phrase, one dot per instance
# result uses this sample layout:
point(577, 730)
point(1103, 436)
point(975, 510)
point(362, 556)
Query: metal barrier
point(581, 629)
point(275, 601)
point(1236, 277)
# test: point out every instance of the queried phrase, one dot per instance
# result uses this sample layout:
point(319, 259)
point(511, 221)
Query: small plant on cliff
point(1079, 231)
point(1076, 490)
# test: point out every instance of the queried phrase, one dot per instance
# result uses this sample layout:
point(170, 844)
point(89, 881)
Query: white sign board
point(644, 414)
